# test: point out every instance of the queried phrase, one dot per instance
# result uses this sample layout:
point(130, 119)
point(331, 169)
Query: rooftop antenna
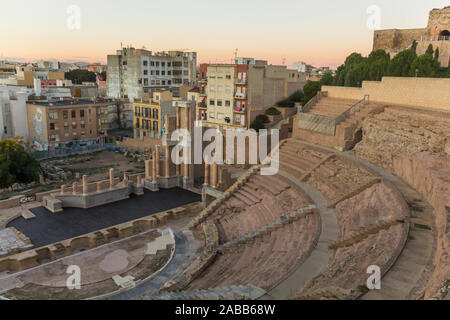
point(236, 53)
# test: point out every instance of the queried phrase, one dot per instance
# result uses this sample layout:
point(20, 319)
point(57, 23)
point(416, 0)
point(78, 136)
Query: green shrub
point(273, 112)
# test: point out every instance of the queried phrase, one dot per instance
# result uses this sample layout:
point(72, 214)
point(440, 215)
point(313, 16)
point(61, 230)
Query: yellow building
point(149, 114)
point(220, 95)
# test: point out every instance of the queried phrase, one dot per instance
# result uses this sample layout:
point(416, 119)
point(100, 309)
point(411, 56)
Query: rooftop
point(69, 102)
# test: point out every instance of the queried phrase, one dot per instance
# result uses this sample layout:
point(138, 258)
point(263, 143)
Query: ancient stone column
point(139, 181)
point(99, 187)
point(178, 118)
point(75, 187)
point(155, 174)
point(206, 174)
point(63, 189)
point(167, 162)
point(158, 169)
point(148, 170)
point(111, 178)
point(214, 175)
point(126, 178)
point(85, 185)
point(186, 171)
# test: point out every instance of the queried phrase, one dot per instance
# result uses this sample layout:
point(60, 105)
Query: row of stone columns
point(85, 184)
point(211, 174)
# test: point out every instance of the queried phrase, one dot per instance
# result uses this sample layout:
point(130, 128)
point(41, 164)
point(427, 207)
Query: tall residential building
point(133, 72)
point(232, 95)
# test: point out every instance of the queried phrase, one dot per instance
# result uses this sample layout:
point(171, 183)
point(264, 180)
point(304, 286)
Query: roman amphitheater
point(364, 181)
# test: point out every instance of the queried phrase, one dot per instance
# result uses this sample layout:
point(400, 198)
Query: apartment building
point(150, 112)
point(68, 122)
point(232, 95)
point(133, 72)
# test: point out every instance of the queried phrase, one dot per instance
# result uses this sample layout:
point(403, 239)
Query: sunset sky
point(320, 32)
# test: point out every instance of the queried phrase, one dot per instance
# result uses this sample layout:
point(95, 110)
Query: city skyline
point(283, 31)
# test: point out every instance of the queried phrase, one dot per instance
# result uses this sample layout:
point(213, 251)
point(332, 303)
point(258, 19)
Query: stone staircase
point(327, 123)
point(248, 292)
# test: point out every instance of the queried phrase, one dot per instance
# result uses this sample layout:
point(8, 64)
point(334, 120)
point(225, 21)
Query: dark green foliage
point(260, 122)
point(310, 90)
point(80, 76)
point(273, 112)
point(291, 100)
point(16, 164)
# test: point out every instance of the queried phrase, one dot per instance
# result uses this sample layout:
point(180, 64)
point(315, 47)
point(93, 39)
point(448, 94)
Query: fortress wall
point(395, 39)
point(430, 93)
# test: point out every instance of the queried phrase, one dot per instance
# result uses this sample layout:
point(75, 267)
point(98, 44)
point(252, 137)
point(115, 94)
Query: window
point(227, 103)
point(145, 72)
point(145, 63)
point(212, 103)
point(169, 73)
point(124, 63)
point(65, 114)
point(52, 126)
point(74, 114)
point(219, 103)
point(155, 126)
point(155, 113)
point(81, 113)
point(157, 63)
point(152, 63)
point(219, 116)
point(163, 73)
point(212, 115)
point(228, 76)
point(53, 115)
point(168, 64)
point(163, 64)
point(83, 133)
point(157, 72)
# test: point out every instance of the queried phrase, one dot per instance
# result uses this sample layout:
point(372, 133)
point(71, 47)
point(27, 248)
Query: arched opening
point(444, 35)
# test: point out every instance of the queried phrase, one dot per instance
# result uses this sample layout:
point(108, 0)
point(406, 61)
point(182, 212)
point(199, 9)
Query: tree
point(414, 45)
point(400, 65)
point(326, 80)
point(436, 54)
point(430, 50)
point(425, 66)
point(310, 91)
point(16, 164)
point(80, 76)
point(260, 122)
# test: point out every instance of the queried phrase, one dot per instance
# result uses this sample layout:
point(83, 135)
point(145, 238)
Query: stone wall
point(430, 93)
point(11, 202)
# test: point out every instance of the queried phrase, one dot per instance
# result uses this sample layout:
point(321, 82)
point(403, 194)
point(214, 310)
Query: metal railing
point(306, 108)
point(353, 109)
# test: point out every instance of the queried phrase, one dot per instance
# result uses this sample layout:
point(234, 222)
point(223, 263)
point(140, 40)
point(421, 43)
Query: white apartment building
point(133, 72)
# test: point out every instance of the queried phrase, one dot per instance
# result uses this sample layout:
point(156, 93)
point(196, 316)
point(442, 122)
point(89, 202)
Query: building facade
point(232, 95)
point(437, 33)
point(133, 72)
point(66, 123)
point(149, 114)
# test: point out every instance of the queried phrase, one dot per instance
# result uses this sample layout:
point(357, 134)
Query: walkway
point(185, 248)
point(321, 254)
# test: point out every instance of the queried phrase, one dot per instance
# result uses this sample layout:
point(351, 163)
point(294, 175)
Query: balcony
point(240, 95)
point(242, 81)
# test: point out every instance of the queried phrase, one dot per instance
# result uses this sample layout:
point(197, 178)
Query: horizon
point(238, 26)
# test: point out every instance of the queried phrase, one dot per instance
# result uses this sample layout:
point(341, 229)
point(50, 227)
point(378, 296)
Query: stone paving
point(12, 241)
